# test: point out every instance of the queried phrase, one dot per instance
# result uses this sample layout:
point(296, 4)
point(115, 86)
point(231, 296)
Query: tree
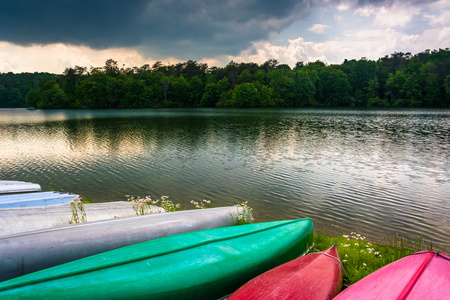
point(430, 84)
point(304, 88)
point(196, 91)
point(412, 89)
point(4, 101)
point(336, 88)
point(245, 76)
point(373, 94)
point(266, 97)
point(111, 67)
point(261, 77)
point(270, 64)
point(283, 86)
point(446, 86)
point(32, 98)
point(165, 81)
point(52, 96)
point(135, 94)
point(179, 92)
point(210, 96)
point(244, 95)
point(394, 86)
point(192, 68)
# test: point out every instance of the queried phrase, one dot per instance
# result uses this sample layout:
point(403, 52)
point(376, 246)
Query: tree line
point(14, 87)
point(399, 79)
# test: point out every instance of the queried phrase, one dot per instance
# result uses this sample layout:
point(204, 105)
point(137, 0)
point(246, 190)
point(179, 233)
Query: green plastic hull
point(204, 264)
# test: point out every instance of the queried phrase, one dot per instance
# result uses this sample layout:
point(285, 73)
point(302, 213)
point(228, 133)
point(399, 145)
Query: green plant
point(360, 257)
point(78, 212)
point(202, 204)
point(141, 206)
point(168, 205)
point(244, 217)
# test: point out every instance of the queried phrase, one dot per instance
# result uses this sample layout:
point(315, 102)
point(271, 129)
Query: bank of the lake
point(376, 172)
point(361, 256)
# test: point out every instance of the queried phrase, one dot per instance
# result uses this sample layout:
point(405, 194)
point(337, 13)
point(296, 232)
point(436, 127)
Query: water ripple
point(378, 172)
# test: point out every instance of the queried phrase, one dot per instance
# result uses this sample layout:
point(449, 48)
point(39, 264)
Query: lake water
point(376, 172)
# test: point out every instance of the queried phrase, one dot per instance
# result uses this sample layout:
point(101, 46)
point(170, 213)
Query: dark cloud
point(94, 23)
point(172, 27)
point(167, 27)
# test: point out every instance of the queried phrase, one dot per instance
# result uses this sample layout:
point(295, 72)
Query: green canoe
point(205, 264)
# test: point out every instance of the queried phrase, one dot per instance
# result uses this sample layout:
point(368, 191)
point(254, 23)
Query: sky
point(52, 35)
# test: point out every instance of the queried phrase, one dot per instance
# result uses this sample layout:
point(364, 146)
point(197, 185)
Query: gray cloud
point(183, 28)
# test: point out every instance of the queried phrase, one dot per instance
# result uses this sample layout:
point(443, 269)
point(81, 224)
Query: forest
point(396, 80)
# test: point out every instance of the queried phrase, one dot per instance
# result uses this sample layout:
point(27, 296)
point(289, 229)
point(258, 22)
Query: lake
point(375, 172)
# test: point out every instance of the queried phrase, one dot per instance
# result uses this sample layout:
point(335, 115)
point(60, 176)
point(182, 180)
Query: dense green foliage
point(14, 87)
point(400, 79)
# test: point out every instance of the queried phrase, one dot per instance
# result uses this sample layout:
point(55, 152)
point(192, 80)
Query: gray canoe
point(22, 219)
point(32, 251)
point(35, 199)
point(9, 187)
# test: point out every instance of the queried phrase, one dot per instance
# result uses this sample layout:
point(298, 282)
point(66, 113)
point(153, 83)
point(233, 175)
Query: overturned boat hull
point(204, 264)
point(36, 250)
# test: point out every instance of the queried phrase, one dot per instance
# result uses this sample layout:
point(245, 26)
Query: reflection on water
point(375, 172)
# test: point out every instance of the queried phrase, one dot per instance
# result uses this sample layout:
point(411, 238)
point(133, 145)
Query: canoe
point(35, 199)
point(10, 187)
point(36, 250)
point(21, 219)
point(206, 264)
point(423, 275)
point(314, 276)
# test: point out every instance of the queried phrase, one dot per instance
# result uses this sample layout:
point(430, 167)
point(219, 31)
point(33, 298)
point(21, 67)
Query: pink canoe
point(423, 275)
point(314, 276)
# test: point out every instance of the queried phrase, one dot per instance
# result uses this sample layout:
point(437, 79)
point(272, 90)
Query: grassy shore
point(361, 257)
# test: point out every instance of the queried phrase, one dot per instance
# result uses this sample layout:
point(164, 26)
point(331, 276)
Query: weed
point(78, 212)
point(244, 217)
point(202, 204)
point(168, 205)
point(143, 206)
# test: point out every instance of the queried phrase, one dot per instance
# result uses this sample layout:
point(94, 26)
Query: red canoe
point(314, 276)
point(423, 275)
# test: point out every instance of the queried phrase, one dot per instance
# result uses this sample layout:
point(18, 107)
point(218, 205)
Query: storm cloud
point(183, 28)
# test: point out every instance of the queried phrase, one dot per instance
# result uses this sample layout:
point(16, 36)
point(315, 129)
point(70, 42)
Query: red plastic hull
point(314, 276)
point(423, 275)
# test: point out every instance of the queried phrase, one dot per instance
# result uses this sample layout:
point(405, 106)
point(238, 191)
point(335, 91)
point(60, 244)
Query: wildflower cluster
point(244, 217)
point(355, 237)
point(202, 204)
point(142, 206)
point(168, 205)
point(78, 212)
point(360, 257)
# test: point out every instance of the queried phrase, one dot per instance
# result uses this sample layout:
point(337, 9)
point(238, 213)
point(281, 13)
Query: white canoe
point(22, 219)
point(32, 251)
point(35, 199)
point(9, 187)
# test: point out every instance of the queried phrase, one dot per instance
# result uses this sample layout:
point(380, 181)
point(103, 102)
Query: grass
point(244, 217)
point(143, 206)
point(78, 212)
point(361, 257)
